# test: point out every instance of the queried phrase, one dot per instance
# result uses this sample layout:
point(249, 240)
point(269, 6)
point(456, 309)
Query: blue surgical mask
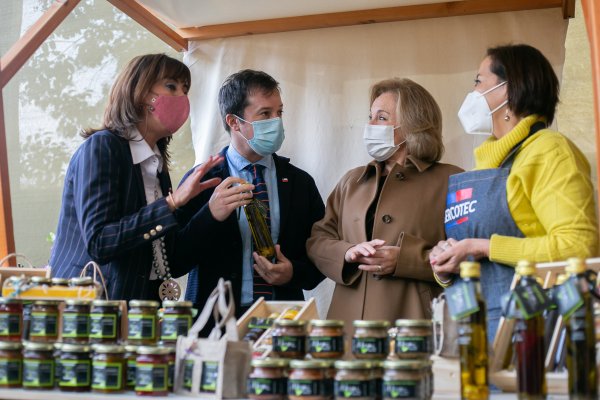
point(268, 136)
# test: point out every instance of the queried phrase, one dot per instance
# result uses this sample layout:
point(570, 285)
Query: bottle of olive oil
point(472, 340)
point(528, 338)
point(581, 338)
point(256, 214)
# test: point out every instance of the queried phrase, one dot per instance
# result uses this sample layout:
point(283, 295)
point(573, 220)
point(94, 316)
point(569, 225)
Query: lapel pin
point(284, 180)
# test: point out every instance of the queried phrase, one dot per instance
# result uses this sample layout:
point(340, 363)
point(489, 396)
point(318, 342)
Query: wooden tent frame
point(23, 49)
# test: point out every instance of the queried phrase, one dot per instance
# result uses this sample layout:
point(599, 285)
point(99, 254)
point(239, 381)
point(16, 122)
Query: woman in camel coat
point(382, 219)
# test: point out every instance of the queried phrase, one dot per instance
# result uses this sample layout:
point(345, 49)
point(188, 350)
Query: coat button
point(146, 236)
point(386, 219)
point(400, 176)
point(159, 228)
point(153, 232)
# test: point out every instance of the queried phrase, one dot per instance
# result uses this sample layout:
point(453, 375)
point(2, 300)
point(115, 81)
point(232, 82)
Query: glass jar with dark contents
point(404, 379)
point(105, 322)
point(131, 356)
point(414, 338)
point(268, 379)
point(176, 320)
point(75, 368)
point(370, 339)
point(152, 371)
point(82, 281)
point(108, 368)
point(309, 380)
point(38, 366)
point(354, 379)
point(11, 319)
point(76, 321)
point(60, 282)
point(326, 339)
point(44, 321)
point(289, 338)
point(11, 365)
point(143, 322)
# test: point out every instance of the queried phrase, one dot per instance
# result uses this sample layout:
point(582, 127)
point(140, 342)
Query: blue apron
point(476, 207)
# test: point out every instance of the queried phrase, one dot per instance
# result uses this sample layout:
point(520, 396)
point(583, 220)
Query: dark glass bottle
point(472, 342)
point(256, 215)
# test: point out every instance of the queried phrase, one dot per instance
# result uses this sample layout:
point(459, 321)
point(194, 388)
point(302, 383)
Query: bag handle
point(95, 269)
point(16, 255)
point(226, 311)
point(437, 305)
point(205, 314)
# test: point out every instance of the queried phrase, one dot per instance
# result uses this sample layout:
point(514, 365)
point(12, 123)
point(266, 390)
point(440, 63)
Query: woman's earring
point(506, 116)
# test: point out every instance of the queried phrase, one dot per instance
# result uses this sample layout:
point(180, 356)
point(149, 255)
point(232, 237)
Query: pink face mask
point(171, 111)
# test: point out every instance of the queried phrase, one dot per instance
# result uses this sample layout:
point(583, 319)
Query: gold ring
point(379, 269)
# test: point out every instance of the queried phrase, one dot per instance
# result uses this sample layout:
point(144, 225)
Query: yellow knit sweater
point(550, 196)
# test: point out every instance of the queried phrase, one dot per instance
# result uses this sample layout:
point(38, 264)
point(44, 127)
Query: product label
point(567, 297)
point(174, 326)
point(325, 344)
point(151, 378)
point(413, 344)
point(210, 376)
point(10, 324)
point(267, 386)
point(10, 371)
point(76, 325)
point(462, 300)
point(289, 344)
point(131, 367)
point(38, 373)
point(532, 299)
point(107, 375)
point(352, 388)
point(369, 345)
point(103, 326)
point(308, 387)
point(75, 373)
point(142, 327)
point(188, 374)
point(43, 324)
point(401, 389)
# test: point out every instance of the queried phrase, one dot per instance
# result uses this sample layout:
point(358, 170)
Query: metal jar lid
point(106, 303)
point(78, 302)
point(81, 281)
point(153, 350)
point(371, 324)
point(131, 348)
point(289, 322)
point(40, 280)
point(404, 364)
point(424, 323)
point(38, 346)
point(327, 323)
point(143, 303)
point(175, 304)
point(75, 348)
point(60, 281)
point(11, 346)
point(311, 364)
point(270, 363)
point(46, 303)
point(353, 364)
point(108, 349)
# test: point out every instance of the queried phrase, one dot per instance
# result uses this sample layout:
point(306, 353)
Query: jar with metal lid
point(11, 319)
point(404, 379)
point(82, 281)
point(76, 321)
point(11, 365)
point(38, 366)
point(40, 281)
point(131, 356)
point(414, 338)
point(75, 368)
point(326, 339)
point(152, 371)
point(289, 338)
point(143, 322)
point(354, 379)
point(105, 322)
point(309, 380)
point(268, 379)
point(60, 282)
point(108, 368)
point(176, 320)
point(44, 321)
point(370, 339)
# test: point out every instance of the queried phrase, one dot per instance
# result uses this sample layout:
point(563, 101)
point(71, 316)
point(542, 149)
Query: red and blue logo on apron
point(459, 205)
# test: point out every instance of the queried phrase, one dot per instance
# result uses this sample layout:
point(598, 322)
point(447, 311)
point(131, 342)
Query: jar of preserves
point(414, 338)
point(326, 339)
point(11, 319)
point(152, 371)
point(75, 368)
point(76, 321)
point(108, 368)
point(268, 379)
point(143, 322)
point(131, 356)
point(105, 322)
point(44, 321)
point(289, 338)
point(60, 282)
point(353, 379)
point(403, 379)
point(309, 380)
point(370, 339)
point(82, 281)
point(176, 320)
point(11, 365)
point(38, 366)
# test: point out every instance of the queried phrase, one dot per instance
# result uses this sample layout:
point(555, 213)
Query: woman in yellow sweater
point(530, 196)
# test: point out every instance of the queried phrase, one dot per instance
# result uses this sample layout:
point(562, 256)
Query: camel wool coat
point(409, 214)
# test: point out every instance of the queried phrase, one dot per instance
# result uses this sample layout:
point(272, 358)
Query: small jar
point(75, 368)
point(60, 282)
point(326, 339)
point(82, 281)
point(76, 322)
point(370, 339)
point(131, 356)
point(38, 366)
point(40, 281)
point(152, 371)
point(105, 322)
point(11, 319)
point(403, 379)
point(268, 379)
point(354, 379)
point(176, 320)
point(143, 322)
point(11, 365)
point(289, 338)
point(44, 321)
point(108, 368)
point(414, 338)
point(309, 380)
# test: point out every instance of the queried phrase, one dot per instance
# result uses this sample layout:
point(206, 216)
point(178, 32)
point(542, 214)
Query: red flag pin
point(285, 180)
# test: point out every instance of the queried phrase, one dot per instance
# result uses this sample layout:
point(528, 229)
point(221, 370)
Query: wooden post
point(7, 238)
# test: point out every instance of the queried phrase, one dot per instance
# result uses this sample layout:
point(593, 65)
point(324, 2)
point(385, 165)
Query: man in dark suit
point(251, 109)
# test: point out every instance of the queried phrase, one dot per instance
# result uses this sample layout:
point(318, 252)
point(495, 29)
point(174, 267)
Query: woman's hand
point(446, 256)
point(362, 250)
point(192, 186)
point(383, 262)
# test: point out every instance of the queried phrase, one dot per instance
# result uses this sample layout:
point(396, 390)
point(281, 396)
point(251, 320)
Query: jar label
point(173, 326)
point(10, 324)
point(142, 327)
point(44, 324)
point(401, 389)
point(103, 326)
point(188, 374)
point(76, 325)
point(413, 344)
point(10, 371)
point(309, 387)
point(267, 386)
point(325, 344)
point(289, 344)
point(38, 373)
point(210, 376)
point(369, 345)
point(353, 388)
point(131, 367)
point(75, 373)
point(151, 378)
point(107, 375)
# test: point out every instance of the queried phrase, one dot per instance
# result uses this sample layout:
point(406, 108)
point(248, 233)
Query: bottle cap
point(525, 268)
point(575, 266)
point(470, 269)
point(561, 278)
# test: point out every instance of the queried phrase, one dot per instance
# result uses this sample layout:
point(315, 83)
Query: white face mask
point(475, 114)
point(379, 141)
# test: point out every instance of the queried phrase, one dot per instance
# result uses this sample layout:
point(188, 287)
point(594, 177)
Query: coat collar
point(410, 162)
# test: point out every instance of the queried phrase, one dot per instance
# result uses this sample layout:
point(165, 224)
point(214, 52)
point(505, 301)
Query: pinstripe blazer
point(104, 217)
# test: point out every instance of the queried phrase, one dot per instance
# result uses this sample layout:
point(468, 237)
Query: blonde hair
point(418, 116)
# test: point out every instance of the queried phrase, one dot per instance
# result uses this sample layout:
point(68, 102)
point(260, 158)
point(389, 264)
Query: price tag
point(532, 300)
point(567, 297)
point(462, 300)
